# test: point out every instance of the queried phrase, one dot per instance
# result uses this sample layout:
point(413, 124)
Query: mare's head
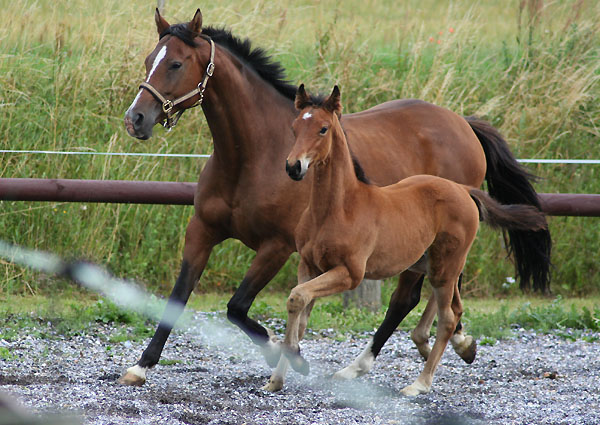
point(313, 128)
point(174, 68)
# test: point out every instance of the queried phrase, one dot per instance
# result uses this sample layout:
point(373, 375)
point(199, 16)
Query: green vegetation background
point(69, 70)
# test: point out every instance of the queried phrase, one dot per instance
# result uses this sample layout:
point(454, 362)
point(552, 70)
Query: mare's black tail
point(509, 183)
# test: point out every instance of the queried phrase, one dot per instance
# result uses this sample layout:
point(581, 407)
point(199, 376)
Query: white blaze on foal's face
point(306, 115)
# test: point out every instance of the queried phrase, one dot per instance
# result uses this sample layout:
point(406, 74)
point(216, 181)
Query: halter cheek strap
point(168, 105)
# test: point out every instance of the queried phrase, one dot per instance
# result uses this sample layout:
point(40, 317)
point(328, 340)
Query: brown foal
point(352, 230)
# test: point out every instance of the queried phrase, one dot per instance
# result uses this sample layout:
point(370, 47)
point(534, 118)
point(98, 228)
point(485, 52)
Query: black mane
point(269, 70)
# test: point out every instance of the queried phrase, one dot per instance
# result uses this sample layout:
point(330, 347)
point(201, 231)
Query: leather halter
point(168, 105)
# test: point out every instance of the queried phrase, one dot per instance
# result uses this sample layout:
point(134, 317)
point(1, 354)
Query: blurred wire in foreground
point(125, 294)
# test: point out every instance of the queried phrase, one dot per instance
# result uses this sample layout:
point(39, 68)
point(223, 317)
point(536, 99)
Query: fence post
point(367, 295)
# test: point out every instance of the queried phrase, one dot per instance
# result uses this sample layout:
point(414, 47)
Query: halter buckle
point(167, 106)
point(210, 69)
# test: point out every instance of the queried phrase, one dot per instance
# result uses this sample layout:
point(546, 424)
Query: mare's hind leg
point(198, 245)
point(449, 313)
point(403, 300)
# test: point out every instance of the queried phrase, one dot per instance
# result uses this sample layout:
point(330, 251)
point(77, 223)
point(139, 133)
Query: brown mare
point(352, 230)
point(244, 193)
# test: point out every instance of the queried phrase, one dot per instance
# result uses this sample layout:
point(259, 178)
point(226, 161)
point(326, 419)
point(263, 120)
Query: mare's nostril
point(138, 119)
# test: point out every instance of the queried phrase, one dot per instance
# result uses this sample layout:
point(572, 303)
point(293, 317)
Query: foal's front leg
point(331, 282)
point(278, 376)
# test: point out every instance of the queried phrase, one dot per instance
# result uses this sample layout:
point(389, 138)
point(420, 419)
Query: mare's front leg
point(403, 300)
point(199, 242)
point(270, 257)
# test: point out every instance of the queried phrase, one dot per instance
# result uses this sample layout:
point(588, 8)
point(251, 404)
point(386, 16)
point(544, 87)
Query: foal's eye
point(175, 65)
point(323, 130)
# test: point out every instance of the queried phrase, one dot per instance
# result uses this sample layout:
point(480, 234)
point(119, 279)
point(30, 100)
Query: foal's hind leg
point(449, 312)
point(420, 334)
point(403, 300)
point(464, 345)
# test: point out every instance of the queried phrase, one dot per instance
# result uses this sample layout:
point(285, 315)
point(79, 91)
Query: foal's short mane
point(358, 169)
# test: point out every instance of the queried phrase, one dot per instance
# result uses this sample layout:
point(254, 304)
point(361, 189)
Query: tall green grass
point(68, 71)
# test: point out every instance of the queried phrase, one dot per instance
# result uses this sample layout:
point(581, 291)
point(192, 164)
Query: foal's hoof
point(414, 390)
point(469, 355)
point(424, 351)
point(134, 377)
point(298, 363)
point(273, 385)
point(469, 351)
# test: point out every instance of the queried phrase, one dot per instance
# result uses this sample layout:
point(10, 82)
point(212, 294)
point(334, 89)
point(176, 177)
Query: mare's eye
point(323, 130)
point(175, 65)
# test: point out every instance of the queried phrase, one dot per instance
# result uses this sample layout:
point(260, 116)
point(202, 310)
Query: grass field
point(69, 70)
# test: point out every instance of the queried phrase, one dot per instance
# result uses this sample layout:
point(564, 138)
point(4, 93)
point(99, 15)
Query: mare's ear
point(161, 24)
point(333, 102)
point(195, 25)
point(302, 98)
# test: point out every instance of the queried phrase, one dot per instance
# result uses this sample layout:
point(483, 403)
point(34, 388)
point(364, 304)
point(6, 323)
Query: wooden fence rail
point(176, 193)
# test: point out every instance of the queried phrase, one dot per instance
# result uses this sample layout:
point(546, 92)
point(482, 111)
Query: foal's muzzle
point(294, 171)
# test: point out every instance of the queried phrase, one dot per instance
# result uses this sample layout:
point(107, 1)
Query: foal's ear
point(195, 25)
point(333, 102)
point(302, 98)
point(161, 24)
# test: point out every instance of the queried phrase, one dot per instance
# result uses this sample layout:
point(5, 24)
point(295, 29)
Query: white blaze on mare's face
point(137, 97)
point(159, 57)
point(306, 115)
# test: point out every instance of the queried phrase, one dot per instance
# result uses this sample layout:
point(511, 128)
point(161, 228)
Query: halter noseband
point(168, 105)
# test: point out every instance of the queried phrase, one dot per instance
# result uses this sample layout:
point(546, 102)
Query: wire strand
point(182, 155)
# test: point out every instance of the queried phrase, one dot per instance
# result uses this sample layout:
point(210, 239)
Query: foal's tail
point(508, 217)
point(509, 183)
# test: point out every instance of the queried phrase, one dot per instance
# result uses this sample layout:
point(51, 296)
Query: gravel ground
point(213, 375)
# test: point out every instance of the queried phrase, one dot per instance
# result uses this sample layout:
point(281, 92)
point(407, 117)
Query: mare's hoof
point(271, 352)
point(135, 376)
point(469, 353)
point(131, 380)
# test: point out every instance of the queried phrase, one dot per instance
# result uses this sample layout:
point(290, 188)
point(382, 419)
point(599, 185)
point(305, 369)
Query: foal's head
point(175, 67)
point(313, 128)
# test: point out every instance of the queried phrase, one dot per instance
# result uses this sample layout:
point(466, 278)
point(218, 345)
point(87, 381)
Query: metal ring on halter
point(210, 69)
point(167, 106)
